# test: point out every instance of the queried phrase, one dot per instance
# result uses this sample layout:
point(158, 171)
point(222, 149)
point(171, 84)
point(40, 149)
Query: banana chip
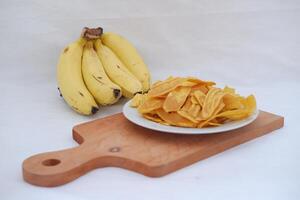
point(174, 119)
point(195, 111)
point(188, 103)
point(203, 88)
point(165, 87)
point(200, 97)
point(218, 109)
point(211, 102)
point(137, 100)
point(153, 117)
point(229, 90)
point(200, 82)
point(176, 99)
point(191, 102)
point(232, 102)
point(150, 104)
point(249, 106)
point(189, 84)
point(157, 83)
point(194, 100)
point(186, 115)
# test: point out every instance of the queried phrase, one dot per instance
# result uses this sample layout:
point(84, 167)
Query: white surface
point(134, 116)
point(252, 45)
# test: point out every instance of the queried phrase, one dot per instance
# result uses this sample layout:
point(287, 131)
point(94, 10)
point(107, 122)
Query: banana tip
point(94, 109)
point(117, 93)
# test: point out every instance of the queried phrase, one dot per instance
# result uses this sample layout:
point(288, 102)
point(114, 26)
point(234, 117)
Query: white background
point(252, 45)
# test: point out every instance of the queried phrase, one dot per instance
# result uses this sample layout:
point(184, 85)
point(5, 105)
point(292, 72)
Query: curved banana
point(102, 88)
point(117, 72)
point(129, 56)
point(70, 79)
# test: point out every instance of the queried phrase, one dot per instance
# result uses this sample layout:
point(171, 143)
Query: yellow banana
point(117, 72)
point(102, 88)
point(128, 54)
point(70, 79)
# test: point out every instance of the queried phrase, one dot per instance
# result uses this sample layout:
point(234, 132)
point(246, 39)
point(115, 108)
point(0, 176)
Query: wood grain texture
point(114, 141)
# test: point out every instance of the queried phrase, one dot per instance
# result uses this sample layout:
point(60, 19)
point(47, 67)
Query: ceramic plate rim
point(132, 115)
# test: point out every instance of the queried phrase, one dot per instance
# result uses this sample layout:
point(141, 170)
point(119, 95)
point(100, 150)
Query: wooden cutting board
point(114, 141)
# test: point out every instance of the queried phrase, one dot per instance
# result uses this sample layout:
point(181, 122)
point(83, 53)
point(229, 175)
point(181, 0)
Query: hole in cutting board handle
point(115, 149)
point(51, 162)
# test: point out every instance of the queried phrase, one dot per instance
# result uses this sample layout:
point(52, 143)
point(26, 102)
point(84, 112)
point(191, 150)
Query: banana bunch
point(97, 69)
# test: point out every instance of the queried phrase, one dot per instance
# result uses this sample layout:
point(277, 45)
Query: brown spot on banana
point(66, 49)
point(121, 69)
point(81, 94)
point(97, 79)
point(73, 100)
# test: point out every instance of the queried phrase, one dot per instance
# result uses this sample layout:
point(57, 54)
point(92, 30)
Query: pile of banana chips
point(191, 102)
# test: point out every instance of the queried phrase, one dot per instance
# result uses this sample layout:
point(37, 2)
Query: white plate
point(132, 115)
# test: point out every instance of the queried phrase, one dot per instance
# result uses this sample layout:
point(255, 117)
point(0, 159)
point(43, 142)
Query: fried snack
point(137, 100)
point(212, 100)
point(165, 87)
point(191, 102)
point(174, 118)
point(200, 96)
point(150, 104)
point(176, 98)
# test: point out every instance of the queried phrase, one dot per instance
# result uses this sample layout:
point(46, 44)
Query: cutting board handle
point(59, 167)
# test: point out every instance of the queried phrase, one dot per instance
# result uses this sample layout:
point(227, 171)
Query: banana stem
point(89, 44)
point(91, 33)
